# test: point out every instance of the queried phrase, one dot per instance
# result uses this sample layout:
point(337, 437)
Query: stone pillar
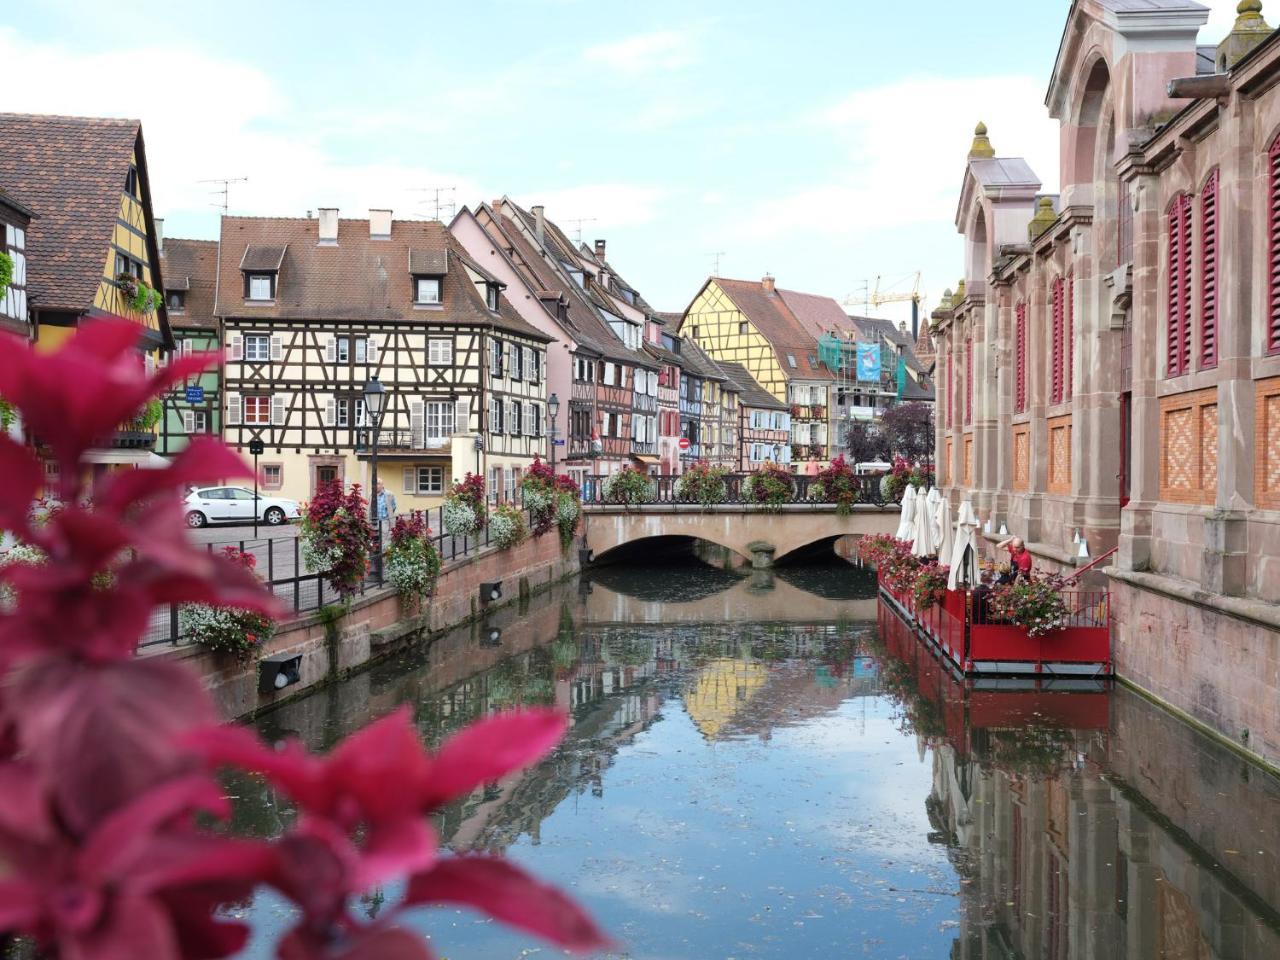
point(1039, 356)
point(1001, 322)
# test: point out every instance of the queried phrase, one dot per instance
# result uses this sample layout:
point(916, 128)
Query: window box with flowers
point(140, 295)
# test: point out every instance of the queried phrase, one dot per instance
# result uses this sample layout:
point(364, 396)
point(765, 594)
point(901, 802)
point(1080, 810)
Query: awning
point(645, 458)
point(146, 459)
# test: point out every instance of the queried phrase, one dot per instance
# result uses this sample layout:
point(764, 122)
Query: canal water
point(770, 766)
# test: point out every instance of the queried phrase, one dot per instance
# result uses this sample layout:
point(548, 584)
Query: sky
point(821, 141)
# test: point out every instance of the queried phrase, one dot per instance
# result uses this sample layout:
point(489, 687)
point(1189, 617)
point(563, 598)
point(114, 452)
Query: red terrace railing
point(1075, 577)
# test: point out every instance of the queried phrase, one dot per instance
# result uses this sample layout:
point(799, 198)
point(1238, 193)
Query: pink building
point(1109, 370)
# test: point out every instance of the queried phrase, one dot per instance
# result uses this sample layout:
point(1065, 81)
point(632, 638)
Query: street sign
point(684, 443)
point(559, 443)
point(195, 394)
point(257, 448)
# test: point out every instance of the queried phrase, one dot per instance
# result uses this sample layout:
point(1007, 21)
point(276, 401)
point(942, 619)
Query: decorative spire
point(981, 149)
point(959, 294)
point(1249, 31)
point(1044, 219)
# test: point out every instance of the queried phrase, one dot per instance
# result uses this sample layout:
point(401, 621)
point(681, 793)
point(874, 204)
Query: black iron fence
point(664, 490)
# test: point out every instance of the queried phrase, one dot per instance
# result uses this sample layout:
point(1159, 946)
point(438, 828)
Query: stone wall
point(378, 624)
point(1221, 670)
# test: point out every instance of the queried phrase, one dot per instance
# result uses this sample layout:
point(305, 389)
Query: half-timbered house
point(15, 219)
point(89, 249)
point(764, 424)
point(190, 272)
point(669, 375)
point(312, 309)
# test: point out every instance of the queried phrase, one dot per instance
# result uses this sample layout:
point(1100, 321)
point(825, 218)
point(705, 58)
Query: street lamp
point(374, 394)
point(553, 409)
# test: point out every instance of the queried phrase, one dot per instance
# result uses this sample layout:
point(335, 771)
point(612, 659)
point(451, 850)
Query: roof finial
point(1044, 219)
point(981, 149)
point(1249, 31)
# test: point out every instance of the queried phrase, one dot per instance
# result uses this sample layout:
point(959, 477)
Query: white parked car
point(235, 505)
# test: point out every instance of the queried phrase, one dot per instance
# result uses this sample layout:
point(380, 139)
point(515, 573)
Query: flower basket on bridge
point(627, 487)
point(702, 483)
point(769, 487)
point(837, 484)
point(507, 527)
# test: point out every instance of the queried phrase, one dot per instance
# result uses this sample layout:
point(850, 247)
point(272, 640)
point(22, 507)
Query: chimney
point(600, 249)
point(539, 222)
point(902, 326)
point(379, 224)
point(767, 283)
point(159, 222)
point(328, 227)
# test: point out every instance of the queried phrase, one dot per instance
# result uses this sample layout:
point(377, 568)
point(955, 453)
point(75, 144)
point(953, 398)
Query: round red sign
point(684, 443)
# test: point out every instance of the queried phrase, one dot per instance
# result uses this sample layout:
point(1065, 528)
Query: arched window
point(1020, 359)
point(1055, 348)
point(1178, 341)
point(1209, 273)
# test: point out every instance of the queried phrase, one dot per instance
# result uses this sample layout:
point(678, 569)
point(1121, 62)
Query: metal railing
point(663, 490)
point(283, 571)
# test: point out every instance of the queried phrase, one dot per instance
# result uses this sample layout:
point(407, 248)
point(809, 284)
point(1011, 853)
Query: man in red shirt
point(1019, 556)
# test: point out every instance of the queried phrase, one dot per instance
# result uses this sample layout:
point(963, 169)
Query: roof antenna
point(577, 229)
point(715, 271)
point(225, 192)
point(439, 202)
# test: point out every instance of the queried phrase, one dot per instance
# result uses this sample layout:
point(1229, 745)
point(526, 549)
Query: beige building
point(312, 309)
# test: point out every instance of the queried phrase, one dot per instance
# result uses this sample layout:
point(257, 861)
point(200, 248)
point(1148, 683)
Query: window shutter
point(1068, 339)
point(234, 409)
point(1020, 369)
point(331, 350)
point(417, 424)
point(277, 409)
point(1179, 320)
point(410, 480)
point(277, 348)
point(1055, 351)
point(371, 351)
point(188, 421)
point(1209, 273)
point(1273, 250)
point(148, 364)
point(237, 347)
point(330, 411)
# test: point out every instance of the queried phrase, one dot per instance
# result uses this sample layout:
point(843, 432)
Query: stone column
point(1001, 322)
point(1039, 356)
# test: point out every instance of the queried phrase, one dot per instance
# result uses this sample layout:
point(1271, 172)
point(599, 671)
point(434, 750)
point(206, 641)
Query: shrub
point(1035, 604)
point(874, 549)
point(412, 560)
point(836, 484)
point(507, 527)
point(226, 629)
point(770, 487)
point(628, 486)
point(465, 512)
point(109, 817)
point(337, 537)
point(702, 483)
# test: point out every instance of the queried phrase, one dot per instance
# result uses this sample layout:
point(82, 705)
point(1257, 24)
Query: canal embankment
point(338, 641)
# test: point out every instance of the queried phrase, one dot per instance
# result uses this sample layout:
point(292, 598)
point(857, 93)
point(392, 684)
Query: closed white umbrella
point(964, 553)
point(944, 536)
point(925, 543)
point(906, 528)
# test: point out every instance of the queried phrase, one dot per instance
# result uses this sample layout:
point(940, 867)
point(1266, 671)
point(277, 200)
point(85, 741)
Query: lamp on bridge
point(374, 394)
point(553, 410)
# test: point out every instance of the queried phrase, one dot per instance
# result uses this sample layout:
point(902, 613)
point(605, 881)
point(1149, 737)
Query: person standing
point(386, 505)
point(1019, 556)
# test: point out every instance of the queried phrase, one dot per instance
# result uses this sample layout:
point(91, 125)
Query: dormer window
point(131, 182)
point(176, 300)
point(491, 296)
point(426, 290)
point(260, 286)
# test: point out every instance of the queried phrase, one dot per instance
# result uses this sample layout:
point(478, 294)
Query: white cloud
point(646, 52)
point(608, 205)
point(1222, 17)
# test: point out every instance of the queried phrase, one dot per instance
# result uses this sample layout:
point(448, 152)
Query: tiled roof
point(191, 265)
point(753, 395)
point(358, 278)
point(772, 317)
point(662, 353)
point(697, 363)
point(71, 171)
point(669, 318)
point(258, 256)
point(429, 262)
point(914, 391)
point(818, 315)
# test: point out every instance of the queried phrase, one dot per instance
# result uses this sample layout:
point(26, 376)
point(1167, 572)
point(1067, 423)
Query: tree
point(908, 430)
point(865, 441)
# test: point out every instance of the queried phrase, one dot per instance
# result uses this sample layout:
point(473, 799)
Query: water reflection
point(763, 769)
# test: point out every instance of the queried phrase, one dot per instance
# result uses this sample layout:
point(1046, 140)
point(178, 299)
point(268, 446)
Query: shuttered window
point(968, 381)
point(1178, 340)
point(1056, 334)
point(1069, 340)
point(1273, 249)
point(1020, 361)
point(1209, 273)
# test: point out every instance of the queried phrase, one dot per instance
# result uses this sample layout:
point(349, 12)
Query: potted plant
point(702, 483)
point(930, 585)
point(337, 537)
point(412, 561)
point(837, 484)
point(1036, 605)
point(628, 486)
point(227, 630)
point(465, 511)
point(769, 487)
point(507, 527)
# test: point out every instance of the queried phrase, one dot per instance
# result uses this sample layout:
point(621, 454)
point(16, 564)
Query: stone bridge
point(761, 537)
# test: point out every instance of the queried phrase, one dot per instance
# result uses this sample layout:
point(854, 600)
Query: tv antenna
point(442, 199)
point(577, 229)
point(715, 271)
point(225, 192)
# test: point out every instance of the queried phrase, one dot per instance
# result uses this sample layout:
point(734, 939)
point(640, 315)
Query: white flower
point(317, 557)
point(460, 518)
point(537, 499)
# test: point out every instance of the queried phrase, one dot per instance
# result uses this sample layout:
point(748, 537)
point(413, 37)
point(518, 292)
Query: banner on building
point(869, 362)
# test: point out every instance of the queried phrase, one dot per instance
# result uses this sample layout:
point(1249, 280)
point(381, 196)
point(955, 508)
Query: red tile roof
point(771, 315)
point(71, 171)
point(358, 278)
point(191, 265)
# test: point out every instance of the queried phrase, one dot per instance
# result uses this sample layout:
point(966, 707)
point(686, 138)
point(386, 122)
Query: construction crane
point(916, 298)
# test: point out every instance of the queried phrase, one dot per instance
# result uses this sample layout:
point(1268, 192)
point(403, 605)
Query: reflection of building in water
point(721, 689)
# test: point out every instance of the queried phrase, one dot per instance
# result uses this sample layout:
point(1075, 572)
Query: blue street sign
point(559, 443)
point(195, 394)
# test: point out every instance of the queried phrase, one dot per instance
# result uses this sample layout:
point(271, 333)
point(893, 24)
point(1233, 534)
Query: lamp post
point(374, 394)
point(553, 410)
